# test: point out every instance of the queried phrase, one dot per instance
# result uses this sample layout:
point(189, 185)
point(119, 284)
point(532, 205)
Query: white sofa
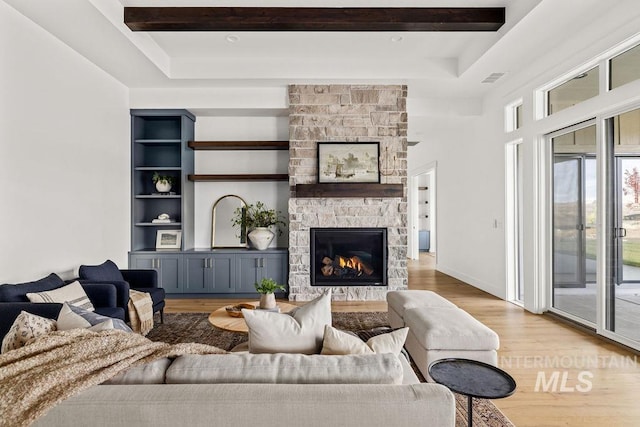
point(243, 390)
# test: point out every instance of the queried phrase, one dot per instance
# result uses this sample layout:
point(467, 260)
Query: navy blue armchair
point(139, 280)
point(13, 300)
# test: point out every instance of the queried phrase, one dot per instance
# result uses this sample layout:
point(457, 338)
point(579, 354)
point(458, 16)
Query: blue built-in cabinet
point(160, 143)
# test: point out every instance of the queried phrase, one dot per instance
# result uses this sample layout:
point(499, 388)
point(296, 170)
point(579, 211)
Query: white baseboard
point(473, 281)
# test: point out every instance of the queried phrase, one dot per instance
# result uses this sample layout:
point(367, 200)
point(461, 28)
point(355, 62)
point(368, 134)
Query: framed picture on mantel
point(348, 162)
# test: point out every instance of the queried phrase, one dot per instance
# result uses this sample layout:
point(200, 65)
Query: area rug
point(195, 327)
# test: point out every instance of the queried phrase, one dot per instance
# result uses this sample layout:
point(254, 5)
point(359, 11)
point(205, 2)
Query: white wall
point(64, 156)
point(469, 197)
point(273, 194)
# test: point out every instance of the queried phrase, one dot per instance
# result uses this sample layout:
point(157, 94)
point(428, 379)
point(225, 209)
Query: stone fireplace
point(347, 113)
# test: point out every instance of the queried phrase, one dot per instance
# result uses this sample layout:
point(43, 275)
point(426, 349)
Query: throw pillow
point(338, 342)
point(26, 326)
point(104, 272)
point(300, 331)
point(72, 317)
point(73, 294)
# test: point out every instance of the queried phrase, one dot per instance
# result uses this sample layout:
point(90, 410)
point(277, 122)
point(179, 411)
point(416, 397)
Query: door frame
point(413, 199)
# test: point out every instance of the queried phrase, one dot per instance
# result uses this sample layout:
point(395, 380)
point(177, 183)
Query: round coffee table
point(473, 379)
point(220, 319)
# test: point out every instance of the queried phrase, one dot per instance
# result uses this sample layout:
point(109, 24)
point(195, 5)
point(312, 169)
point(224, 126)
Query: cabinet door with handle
point(198, 274)
point(168, 266)
point(223, 277)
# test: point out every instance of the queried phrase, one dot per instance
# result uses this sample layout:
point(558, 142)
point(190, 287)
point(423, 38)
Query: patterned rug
point(195, 327)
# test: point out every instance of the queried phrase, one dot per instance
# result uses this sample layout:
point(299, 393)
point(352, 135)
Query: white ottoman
point(399, 301)
point(441, 332)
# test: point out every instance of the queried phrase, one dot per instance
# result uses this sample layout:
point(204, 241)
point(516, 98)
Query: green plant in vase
point(266, 288)
point(163, 182)
point(258, 219)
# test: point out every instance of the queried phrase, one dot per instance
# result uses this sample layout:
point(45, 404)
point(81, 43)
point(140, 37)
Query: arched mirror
point(223, 233)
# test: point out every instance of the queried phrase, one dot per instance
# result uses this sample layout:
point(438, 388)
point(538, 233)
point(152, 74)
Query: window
point(513, 116)
point(624, 68)
point(572, 92)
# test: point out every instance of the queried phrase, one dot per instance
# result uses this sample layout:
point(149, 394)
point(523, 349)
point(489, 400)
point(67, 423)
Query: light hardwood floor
point(530, 344)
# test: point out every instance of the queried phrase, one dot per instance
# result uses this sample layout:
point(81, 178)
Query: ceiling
point(433, 64)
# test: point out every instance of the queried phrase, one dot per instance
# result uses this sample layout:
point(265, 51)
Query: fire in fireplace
point(348, 256)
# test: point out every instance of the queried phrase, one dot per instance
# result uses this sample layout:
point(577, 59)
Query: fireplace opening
point(348, 256)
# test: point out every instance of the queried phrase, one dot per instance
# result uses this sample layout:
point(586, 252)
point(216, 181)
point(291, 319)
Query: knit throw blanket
point(140, 308)
point(54, 367)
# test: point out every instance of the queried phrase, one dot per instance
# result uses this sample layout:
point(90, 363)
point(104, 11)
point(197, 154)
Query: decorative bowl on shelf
point(236, 310)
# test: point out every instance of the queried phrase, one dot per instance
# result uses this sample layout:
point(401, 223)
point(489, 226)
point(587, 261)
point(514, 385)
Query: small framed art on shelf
point(168, 239)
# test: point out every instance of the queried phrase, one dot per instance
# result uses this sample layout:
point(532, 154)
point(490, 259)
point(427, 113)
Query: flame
point(352, 262)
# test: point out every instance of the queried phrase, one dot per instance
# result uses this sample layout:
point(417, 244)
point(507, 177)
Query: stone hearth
point(347, 113)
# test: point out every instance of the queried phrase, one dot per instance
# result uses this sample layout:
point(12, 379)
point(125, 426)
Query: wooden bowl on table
point(236, 310)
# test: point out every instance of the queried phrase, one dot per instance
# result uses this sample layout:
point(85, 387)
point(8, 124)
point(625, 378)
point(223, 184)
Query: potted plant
point(258, 219)
point(163, 182)
point(266, 288)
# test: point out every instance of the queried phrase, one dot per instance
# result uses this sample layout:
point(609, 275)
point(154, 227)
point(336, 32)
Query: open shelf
point(157, 141)
point(238, 145)
point(349, 190)
point(240, 177)
point(161, 224)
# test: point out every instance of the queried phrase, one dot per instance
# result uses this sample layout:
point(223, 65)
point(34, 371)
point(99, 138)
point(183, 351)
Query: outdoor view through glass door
point(574, 223)
point(575, 227)
point(623, 293)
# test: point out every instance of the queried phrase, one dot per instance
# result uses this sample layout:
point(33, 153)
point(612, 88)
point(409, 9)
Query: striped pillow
point(72, 294)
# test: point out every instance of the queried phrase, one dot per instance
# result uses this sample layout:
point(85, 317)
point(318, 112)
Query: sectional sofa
point(246, 390)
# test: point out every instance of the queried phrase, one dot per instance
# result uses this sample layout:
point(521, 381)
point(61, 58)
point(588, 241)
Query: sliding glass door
point(574, 223)
point(577, 282)
point(623, 291)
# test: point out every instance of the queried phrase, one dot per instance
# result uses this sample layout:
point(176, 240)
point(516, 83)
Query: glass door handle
point(621, 232)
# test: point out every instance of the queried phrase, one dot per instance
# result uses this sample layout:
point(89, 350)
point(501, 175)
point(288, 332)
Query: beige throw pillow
point(338, 342)
point(299, 332)
point(26, 327)
point(73, 294)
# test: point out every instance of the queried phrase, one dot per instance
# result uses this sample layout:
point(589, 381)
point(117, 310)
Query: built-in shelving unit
point(159, 141)
point(162, 141)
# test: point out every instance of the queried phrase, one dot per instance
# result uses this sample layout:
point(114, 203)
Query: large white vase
point(261, 238)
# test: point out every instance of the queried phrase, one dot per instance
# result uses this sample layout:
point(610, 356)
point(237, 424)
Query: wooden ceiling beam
point(313, 19)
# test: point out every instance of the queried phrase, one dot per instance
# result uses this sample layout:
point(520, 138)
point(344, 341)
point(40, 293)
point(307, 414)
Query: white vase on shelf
point(163, 186)
point(261, 238)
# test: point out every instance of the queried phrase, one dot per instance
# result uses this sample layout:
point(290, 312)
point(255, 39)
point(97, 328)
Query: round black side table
point(472, 379)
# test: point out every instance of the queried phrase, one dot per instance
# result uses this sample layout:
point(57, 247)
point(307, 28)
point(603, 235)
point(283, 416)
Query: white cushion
point(449, 329)
point(283, 368)
point(339, 342)
point(26, 327)
point(72, 293)
point(298, 332)
point(72, 317)
point(400, 301)
point(149, 373)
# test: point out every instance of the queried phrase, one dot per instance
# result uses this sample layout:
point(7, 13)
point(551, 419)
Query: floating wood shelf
point(349, 190)
point(239, 145)
point(238, 177)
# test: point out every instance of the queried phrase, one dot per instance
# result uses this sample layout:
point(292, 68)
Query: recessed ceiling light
point(397, 39)
point(232, 38)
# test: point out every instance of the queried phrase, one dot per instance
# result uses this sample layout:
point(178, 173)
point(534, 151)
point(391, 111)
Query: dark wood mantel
point(349, 190)
point(314, 18)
